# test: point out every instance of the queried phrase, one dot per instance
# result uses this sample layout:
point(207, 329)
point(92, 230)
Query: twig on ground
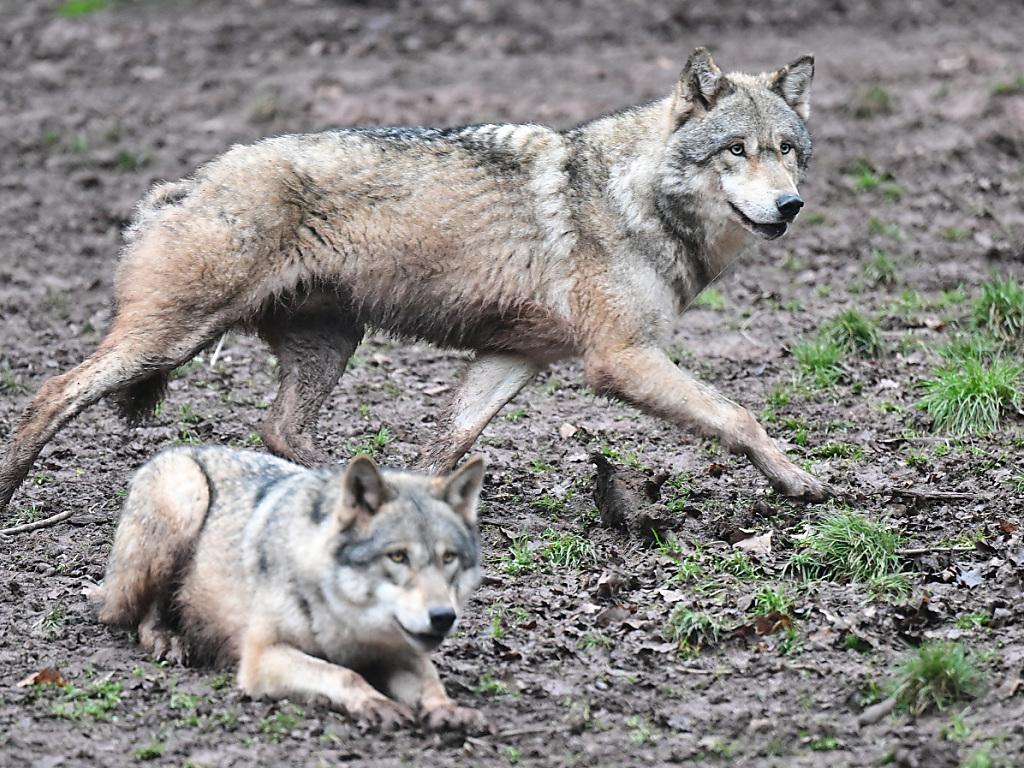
point(26, 527)
point(915, 493)
point(926, 550)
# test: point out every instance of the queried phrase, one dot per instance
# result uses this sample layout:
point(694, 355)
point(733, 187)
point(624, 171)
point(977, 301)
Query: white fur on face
point(755, 194)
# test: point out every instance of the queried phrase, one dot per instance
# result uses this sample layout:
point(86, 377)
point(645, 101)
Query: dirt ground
point(569, 662)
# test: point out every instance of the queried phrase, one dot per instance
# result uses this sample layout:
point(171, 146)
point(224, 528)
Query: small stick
point(216, 351)
point(876, 712)
point(926, 550)
point(26, 527)
point(916, 494)
point(519, 732)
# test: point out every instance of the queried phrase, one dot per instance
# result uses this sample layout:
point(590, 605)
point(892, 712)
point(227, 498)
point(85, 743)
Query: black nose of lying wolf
point(788, 205)
point(441, 619)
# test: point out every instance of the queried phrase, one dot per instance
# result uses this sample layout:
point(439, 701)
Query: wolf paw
point(164, 645)
point(383, 714)
point(449, 717)
point(797, 484)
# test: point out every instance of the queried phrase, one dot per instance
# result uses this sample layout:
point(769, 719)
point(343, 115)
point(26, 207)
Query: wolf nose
point(789, 205)
point(441, 619)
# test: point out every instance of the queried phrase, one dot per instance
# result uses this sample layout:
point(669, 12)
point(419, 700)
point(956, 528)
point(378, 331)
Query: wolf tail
point(167, 504)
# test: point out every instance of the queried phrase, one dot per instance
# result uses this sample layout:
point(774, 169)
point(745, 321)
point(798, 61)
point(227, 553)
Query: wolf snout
point(789, 205)
point(441, 619)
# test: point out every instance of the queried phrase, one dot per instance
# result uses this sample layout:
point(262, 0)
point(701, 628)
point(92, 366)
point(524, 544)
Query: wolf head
point(407, 555)
point(739, 142)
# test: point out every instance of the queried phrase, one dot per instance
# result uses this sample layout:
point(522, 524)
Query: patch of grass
point(565, 550)
point(281, 723)
point(819, 361)
point(374, 444)
point(892, 586)
point(879, 227)
point(838, 451)
point(1000, 309)
point(770, 599)
point(935, 676)
point(865, 178)
point(640, 730)
point(75, 8)
point(95, 702)
point(873, 100)
point(813, 218)
point(516, 415)
point(853, 332)
point(594, 640)
point(490, 686)
point(737, 564)
point(847, 547)
point(980, 758)
point(881, 269)
point(519, 557)
point(691, 630)
point(551, 504)
point(151, 751)
point(710, 298)
point(955, 234)
point(1009, 87)
point(540, 467)
point(975, 620)
point(968, 395)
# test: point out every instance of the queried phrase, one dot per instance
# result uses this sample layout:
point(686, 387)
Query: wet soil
point(568, 661)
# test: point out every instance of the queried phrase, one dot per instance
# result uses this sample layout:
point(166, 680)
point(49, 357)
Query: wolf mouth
point(767, 231)
point(428, 641)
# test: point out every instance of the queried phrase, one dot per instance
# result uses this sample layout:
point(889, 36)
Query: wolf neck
point(681, 235)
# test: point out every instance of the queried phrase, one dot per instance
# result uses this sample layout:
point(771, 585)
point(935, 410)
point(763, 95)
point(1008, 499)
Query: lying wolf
point(320, 584)
point(525, 244)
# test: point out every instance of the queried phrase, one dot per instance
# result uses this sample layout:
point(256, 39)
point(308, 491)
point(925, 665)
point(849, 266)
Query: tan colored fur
point(523, 243)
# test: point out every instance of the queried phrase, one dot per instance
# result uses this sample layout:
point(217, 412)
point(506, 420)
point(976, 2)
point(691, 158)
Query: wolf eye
point(399, 556)
point(738, 149)
point(785, 147)
point(448, 558)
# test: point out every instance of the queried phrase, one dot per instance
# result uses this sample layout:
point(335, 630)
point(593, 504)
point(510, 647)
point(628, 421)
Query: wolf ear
point(362, 486)
point(462, 489)
point(793, 84)
point(699, 85)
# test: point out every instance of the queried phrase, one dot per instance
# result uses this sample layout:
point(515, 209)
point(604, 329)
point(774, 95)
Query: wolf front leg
point(645, 377)
point(277, 671)
point(490, 381)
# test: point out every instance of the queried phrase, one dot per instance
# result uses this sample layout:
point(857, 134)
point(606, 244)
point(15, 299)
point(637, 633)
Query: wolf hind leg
point(313, 344)
point(160, 639)
point(167, 503)
point(490, 381)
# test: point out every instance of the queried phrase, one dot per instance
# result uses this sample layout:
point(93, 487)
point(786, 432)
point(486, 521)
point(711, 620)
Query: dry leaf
point(46, 676)
point(567, 430)
point(756, 545)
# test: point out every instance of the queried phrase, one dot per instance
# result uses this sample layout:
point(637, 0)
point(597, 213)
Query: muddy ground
point(569, 662)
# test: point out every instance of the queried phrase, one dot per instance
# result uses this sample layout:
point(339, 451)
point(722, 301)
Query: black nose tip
point(441, 619)
point(789, 205)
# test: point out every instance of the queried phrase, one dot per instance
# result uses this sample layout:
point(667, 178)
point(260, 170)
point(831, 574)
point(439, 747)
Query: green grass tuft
point(847, 547)
point(874, 100)
point(691, 630)
point(74, 8)
point(881, 270)
point(969, 393)
point(1000, 309)
point(853, 332)
point(935, 676)
point(819, 361)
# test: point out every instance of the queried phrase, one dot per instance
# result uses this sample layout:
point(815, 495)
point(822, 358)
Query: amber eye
point(448, 558)
point(785, 148)
point(399, 556)
point(738, 149)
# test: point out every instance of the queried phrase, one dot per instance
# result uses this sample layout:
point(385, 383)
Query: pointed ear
point(462, 489)
point(699, 85)
point(362, 486)
point(793, 84)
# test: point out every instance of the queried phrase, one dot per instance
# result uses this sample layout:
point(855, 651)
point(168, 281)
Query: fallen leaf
point(772, 622)
point(756, 545)
point(714, 469)
point(46, 676)
point(567, 430)
point(437, 389)
point(1007, 527)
